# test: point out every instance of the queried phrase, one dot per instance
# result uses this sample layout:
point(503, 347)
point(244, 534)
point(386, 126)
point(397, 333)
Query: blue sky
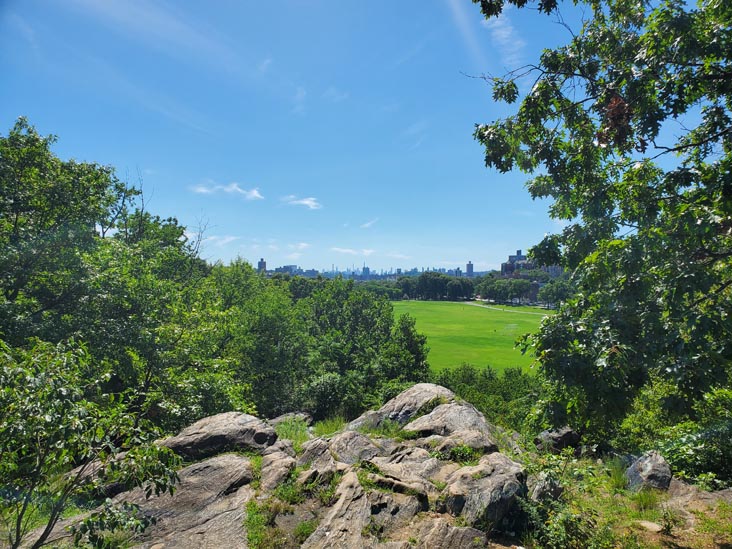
point(315, 133)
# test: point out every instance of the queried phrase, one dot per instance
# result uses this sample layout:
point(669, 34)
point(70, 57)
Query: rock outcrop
point(418, 399)
point(440, 482)
point(207, 509)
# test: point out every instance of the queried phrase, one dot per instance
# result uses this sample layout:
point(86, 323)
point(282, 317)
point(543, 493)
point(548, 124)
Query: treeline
point(529, 286)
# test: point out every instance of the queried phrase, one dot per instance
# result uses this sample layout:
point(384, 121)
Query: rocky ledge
point(437, 481)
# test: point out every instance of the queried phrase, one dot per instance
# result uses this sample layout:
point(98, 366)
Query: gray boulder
point(542, 487)
point(651, 470)
point(390, 511)
point(277, 462)
point(403, 407)
point(448, 419)
point(411, 469)
point(302, 416)
point(351, 447)
point(221, 433)
point(474, 439)
point(484, 494)
point(318, 462)
point(438, 533)
point(360, 520)
point(555, 440)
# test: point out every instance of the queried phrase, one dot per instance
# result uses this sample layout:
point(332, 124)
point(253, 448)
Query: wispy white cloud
point(162, 26)
point(369, 223)
point(299, 246)
point(409, 54)
point(335, 95)
point(506, 39)
point(415, 129)
point(416, 133)
point(220, 240)
point(463, 22)
point(310, 202)
point(231, 188)
point(294, 255)
point(264, 64)
point(351, 251)
point(25, 30)
point(112, 82)
point(298, 100)
point(390, 108)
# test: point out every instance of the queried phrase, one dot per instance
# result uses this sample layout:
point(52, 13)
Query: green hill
point(467, 332)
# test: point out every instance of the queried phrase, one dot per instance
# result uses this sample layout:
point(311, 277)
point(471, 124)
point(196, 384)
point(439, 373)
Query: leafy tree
point(535, 274)
point(408, 286)
point(50, 212)
point(555, 292)
point(405, 358)
point(628, 128)
point(459, 288)
point(432, 285)
point(57, 445)
point(355, 348)
point(518, 289)
point(385, 288)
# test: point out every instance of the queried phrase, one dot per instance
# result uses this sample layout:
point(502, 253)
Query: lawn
point(462, 332)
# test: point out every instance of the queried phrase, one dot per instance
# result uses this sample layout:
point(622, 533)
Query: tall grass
point(294, 429)
point(329, 426)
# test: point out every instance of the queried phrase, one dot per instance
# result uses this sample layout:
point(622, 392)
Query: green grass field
point(460, 332)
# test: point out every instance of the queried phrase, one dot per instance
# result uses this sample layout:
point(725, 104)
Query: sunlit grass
point(464, 332)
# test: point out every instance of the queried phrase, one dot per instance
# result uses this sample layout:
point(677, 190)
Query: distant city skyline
point(467, 270)
point(285, 129)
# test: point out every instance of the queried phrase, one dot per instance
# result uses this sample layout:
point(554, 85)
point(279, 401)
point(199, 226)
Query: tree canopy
point(628, 129)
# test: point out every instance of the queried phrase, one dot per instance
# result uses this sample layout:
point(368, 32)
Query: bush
point(505, 399)
point(304, 529)
point(697, 448)
point(323, 395)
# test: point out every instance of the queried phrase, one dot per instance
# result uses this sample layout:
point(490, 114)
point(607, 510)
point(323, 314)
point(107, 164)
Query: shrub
point(304, 529)
point(699, 450)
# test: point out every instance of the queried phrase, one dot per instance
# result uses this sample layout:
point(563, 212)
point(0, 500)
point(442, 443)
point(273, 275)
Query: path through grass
point(466, 332)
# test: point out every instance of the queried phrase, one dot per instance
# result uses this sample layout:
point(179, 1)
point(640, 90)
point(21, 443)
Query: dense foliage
point(628, 128)
point(113, 329)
